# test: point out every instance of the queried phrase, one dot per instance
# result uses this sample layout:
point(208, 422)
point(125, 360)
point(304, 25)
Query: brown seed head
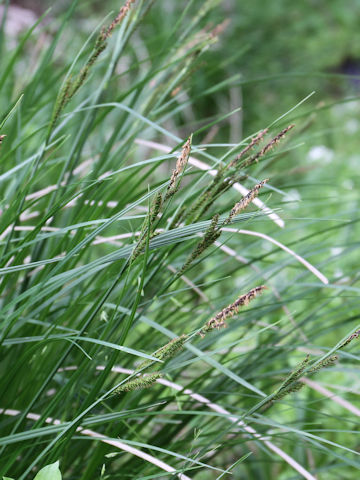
point(274, 141)
point(179, 167)
point(220, 319)
point(253, 142)
point(106, 33)
point(244, 202)
point(350, 338)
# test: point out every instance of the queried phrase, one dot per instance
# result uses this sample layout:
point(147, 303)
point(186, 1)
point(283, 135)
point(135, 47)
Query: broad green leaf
point(50, 472)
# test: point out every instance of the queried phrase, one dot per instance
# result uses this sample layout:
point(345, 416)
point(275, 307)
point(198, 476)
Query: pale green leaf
point(50, 472)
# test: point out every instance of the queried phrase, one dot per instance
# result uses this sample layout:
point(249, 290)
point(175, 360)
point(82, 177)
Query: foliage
point(137, 222)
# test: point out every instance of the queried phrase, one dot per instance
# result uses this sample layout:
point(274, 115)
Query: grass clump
point(111, 274)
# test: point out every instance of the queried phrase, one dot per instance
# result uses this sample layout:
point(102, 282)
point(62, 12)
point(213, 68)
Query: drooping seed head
point(220, 319)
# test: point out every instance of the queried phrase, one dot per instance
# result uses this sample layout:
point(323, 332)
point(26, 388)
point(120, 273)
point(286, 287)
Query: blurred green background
point(280, 51)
